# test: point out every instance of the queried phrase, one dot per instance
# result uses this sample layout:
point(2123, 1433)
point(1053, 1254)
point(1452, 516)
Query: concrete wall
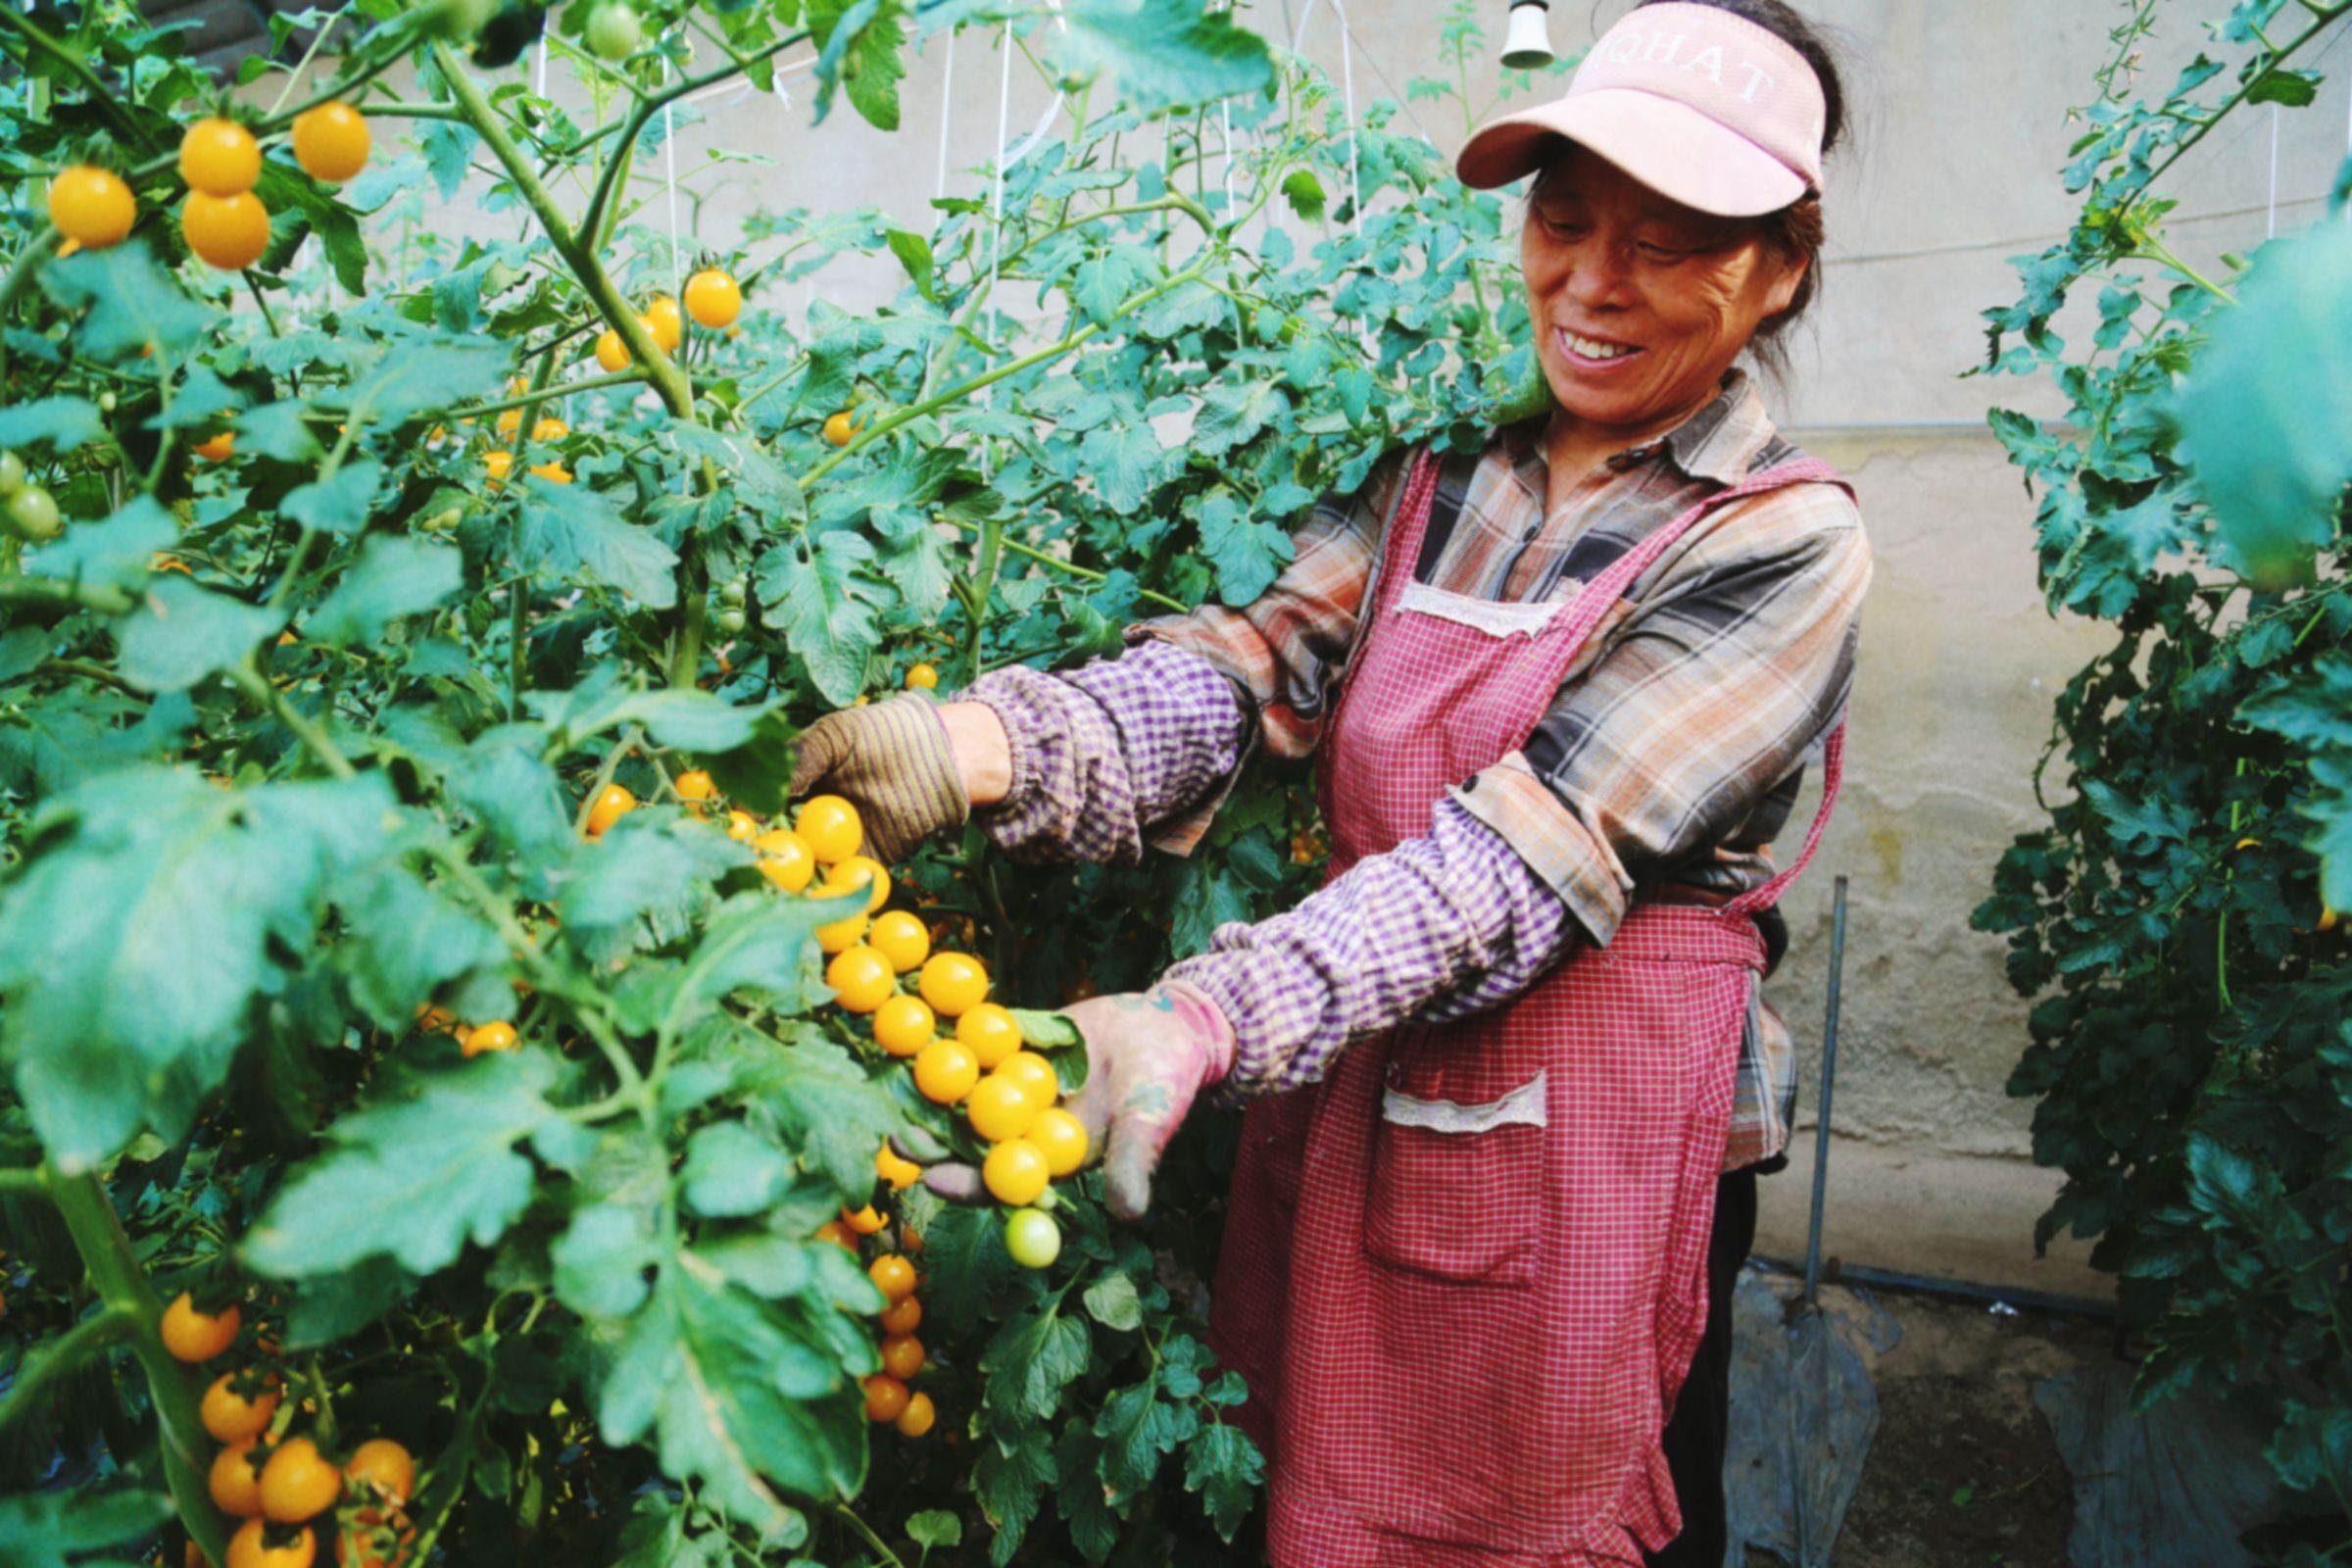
point(1960, 132)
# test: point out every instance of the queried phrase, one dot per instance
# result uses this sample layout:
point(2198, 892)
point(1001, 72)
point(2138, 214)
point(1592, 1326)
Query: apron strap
point(1403, 548)
point(1833, 770)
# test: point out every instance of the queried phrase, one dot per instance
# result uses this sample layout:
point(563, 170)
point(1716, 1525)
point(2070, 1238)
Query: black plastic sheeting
point(2171, 1488)
point(1804, 1411)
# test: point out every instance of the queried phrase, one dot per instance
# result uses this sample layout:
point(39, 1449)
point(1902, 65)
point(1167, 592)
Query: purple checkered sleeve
point(1438, 928)
point(1102, 753)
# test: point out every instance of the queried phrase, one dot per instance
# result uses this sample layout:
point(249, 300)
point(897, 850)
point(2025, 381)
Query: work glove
point(892, 760)
point(1148, 1055)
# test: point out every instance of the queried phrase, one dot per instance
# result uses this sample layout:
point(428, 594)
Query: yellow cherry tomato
point(858, 871)
point(228, 232)
point(330, 142)
point(841, 935)
point(551, 473)
point(922, 677)
point(840, 428)
point(611, 804)
point(229, 1415)
point(902, 1356)
point(784, 857)
point(901, 938)
point(885, 1397)
point(2327, 918)
point(499, 464)
point(665, 324)
point(1000, 1109)
point(867, 1221)
point(193, 1336)
point(550, 430)
point(91, 205)
point(1061, 1137)
point(695, 785)
point(954, 983)
point(1035, 1074)
point(830, 825)
point(742, 826)
point(862, 978)
point(492, 1036)
point(714, 299)
point(893, 1276)
point(904, 1025)
point(890, 1167)
point(1015, 1172)
point(297, 1483)
point(612, 352)
point(510, 423)
point(902, 1317)
point(991, 1032)
point(216, 448)
point(838, 1234)
point(917, 1419)
point(235, 1485)
point(219, 157)
point(946, 1072)
point(380, 1470)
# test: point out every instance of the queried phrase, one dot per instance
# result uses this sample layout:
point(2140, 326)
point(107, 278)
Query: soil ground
point(1964, 1472)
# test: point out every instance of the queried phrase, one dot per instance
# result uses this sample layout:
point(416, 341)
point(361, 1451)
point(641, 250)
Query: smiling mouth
point(1593, 350)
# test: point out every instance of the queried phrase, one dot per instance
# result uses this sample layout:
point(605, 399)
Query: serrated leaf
point(426, 1166)
point(600, 1260)
point(132, 946)
point(1029, 1363)
point(61, 1527)
point(935, 1527)
point(117, 553)
point(130, 303)
point(824, 607)
point(1162, 52)
point(338, 503)
point(734, 1398)
point(1127, 463)
point(394, 577)
point(1008, 1482)
point(180, 633)
point(1113, 1302)
point(280, 431)
point(652, 868)
point(1137, 1430)
point(409, 378)
point(63, 422)
point(731, 1170)
point(572, 534)
point(403, 939)
point(821, 1103)
point(1224, 1466)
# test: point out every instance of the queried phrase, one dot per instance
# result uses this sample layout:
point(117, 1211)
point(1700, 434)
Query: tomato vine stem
point(121, 1282)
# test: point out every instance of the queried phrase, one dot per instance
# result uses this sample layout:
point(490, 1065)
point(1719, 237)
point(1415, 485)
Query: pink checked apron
point(1465, 1275)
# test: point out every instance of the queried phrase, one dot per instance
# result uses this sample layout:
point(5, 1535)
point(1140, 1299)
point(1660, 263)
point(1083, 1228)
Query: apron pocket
point(1456, 1191)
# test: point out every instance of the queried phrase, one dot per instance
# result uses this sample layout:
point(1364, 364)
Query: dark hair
point(1800, 229)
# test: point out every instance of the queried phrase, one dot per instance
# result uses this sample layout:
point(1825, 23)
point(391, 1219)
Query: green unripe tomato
point(33, 515)
point(12, 474)
point(459, 21)
point(106, 403)
point(730, 592)
point(730, 621)
point(613, 32)
point(1032, 1238)
point(442, 520)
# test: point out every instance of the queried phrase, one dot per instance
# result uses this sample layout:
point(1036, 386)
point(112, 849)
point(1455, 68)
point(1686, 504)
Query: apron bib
point(1465, 1274)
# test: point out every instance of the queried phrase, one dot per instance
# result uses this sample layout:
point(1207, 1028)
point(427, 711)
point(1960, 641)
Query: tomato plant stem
point(1032, 553)
point(102, 98)
point(61, 1355)
point(871, 1539)
point(113, 1269)
point(251, 681)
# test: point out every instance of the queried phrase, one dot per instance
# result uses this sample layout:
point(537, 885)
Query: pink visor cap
point(1698, 104)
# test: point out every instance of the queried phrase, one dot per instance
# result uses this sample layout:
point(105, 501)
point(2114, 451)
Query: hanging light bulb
point(1527, 46)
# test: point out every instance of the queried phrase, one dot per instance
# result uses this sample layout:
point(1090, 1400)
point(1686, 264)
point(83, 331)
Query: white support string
point(946, 113)
point(995, 213)
point(2272, 232)
point(1355, 182)
point(669, 151)
point(541, 89)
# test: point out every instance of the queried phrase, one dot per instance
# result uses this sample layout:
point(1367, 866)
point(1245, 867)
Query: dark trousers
point(1698, 1432)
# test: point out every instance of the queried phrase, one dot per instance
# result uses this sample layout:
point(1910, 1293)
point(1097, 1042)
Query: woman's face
point(1640, 303)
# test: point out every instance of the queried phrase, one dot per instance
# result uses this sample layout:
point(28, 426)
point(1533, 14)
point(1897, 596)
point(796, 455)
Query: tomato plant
point(411, 970)
point(2176, 920)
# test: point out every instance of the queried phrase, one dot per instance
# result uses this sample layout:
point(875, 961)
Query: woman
point(1560, 692)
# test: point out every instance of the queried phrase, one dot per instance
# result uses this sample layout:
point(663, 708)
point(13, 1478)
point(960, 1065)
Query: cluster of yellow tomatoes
point(223, 220)
point(277, 1482)
point(712, 298)
point(887, 1396)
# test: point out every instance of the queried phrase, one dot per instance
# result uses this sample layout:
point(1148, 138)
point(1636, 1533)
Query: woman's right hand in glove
point(912, 768)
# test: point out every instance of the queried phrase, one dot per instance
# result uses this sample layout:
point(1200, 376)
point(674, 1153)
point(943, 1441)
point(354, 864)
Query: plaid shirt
point(1664, 771)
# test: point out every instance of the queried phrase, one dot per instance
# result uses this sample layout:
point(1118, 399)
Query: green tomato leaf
point(119, 553)
point(1224, 1466)
point(734, 1398)
point(1249, 554)
point(63, 422)
point(280, 431)
point(403, 939)
point(422, 376)
point(340, 503)
point(821, 1103)
point(76, 1527)
point(1113, 1302)
point(1162, 52)
point(1137, 1430)
point(127, 303)
point(2265, 415)
point(602, 1258)
point(180, 633)
point(572, 534)
point(428, 1164)
point(823, 602)
point(1028, 1365)
point(732, 1171)
point(394, 577)
point(935, 1527)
